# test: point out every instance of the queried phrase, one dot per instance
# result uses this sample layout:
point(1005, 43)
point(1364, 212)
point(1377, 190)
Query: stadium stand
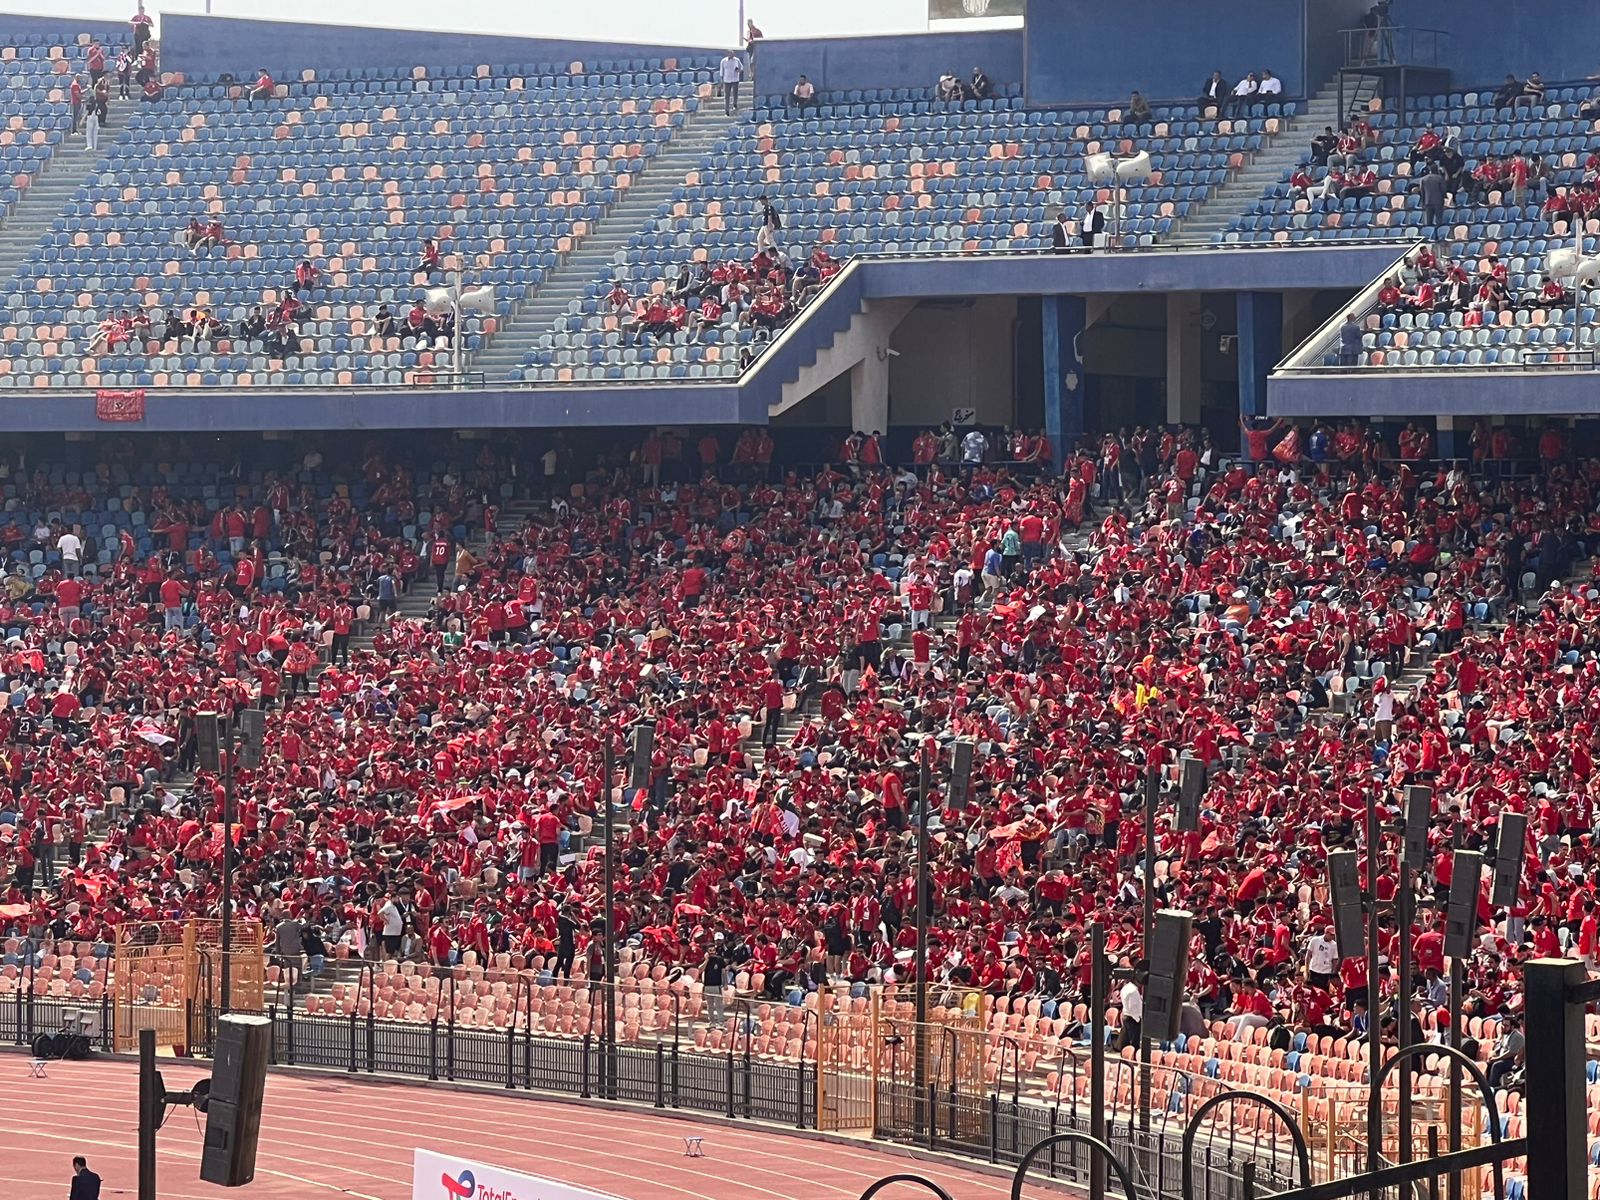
point(709, 605)
point(1490, 229)
point(352, 172)
point(884, 172)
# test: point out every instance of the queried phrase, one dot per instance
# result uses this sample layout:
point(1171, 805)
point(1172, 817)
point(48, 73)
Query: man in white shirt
point(393, 925)
point(1271, 85)
point(730, 72)
point(1243, 93)
point(1322, 958)
point(1132, 998)
point(70, 546)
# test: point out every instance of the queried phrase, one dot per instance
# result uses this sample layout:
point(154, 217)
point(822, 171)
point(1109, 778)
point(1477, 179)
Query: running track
point(325, 1137)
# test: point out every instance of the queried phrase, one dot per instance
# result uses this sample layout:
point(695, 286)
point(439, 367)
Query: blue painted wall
point(914, 60)
point(1324, 49)
point(203, 47)
point(65, 29)
point(1090, 51)
point(1490, 37)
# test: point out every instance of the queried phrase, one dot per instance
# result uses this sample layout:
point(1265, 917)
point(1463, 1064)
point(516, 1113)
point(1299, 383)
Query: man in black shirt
point(85, 1183)
point(713, 974)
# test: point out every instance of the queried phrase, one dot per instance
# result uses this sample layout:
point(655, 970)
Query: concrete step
point(572, 278)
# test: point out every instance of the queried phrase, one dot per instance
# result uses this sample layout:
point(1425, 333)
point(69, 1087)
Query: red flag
point(119, 405)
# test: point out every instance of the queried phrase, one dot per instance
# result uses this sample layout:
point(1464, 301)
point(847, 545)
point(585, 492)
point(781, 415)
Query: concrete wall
point(66, 29)
point(954, 355)
point(1087, 51)
point(1490, 37)
point(914, 60)
point(201, 46)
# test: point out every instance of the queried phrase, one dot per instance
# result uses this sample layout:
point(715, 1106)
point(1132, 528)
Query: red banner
point(119, 406)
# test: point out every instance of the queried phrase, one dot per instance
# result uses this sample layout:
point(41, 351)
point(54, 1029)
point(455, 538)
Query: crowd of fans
point(428, 795)
point(763, 294)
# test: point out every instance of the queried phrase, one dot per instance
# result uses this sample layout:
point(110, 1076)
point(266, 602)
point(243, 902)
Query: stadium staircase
point(71, 167)
point(1276, 161)
point(569, 283)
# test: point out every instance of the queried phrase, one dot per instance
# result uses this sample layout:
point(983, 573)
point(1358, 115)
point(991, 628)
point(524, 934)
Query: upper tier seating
point(34, 75)
point(889, 172)
point(508, 167)
point(1554, 130)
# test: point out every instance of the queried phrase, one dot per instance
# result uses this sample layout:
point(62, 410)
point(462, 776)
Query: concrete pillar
point(1452, 439)
point(869, 391)
point(1183, 358)
point(1063, 321)
point(1260, 348)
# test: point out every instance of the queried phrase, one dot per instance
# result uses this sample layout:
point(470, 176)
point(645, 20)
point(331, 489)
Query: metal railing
point(1395, 46)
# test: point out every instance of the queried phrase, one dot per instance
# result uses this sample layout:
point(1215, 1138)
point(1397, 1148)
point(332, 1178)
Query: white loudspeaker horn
point(436, 301)
point(478, 299)
point(1136, 169)
point(1098, 168)
point(1567, 265)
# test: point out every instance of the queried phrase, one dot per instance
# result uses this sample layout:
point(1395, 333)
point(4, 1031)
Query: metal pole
point(1374, 1001)
point(1152, 797)
point(228, 815)
point(1097, 1054)
point(1405, 903)
point(924, 1109)
point(1458, 981)
point(455, 328)
point(148, 1103)
point(610, 948)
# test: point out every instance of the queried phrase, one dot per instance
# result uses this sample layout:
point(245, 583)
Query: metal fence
point(999, 1126)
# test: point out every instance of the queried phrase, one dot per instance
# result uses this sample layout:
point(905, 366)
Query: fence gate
point(169, 978)
point(846, 1061)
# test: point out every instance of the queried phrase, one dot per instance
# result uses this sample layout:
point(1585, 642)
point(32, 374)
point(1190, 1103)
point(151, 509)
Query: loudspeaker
point(233, 1115)
point(1419, 811)
point(960, 774)
point(1508, 848)
point(208, 739)
point(252, 737)
point(1348, 927)
point(1169, 965)
point(1461, 914)
point(644, 745)
point(1191, 786)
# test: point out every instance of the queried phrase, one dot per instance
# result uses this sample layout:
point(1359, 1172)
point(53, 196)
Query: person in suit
point(85, 1183)
point(1060, 235)
point(1091, 226)
point(1214, 93)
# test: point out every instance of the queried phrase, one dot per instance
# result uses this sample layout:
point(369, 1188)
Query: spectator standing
point(85, 1183)
point(97, 62)
point(75, 96)
point(70, 547)
point(91, 130)
point(771, 226)
point(139, 24)
point(1432, 190)
point(1090, 226)
point(1061, 234)
point(730, 72)
point(1350, 335)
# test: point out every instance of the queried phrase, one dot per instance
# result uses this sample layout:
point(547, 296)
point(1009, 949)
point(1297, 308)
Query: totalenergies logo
point(465, 1187)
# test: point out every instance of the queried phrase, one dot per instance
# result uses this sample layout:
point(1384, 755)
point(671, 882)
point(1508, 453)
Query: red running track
point(326, 1136)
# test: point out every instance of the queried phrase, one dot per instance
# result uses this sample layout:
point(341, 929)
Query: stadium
point(987, 599)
